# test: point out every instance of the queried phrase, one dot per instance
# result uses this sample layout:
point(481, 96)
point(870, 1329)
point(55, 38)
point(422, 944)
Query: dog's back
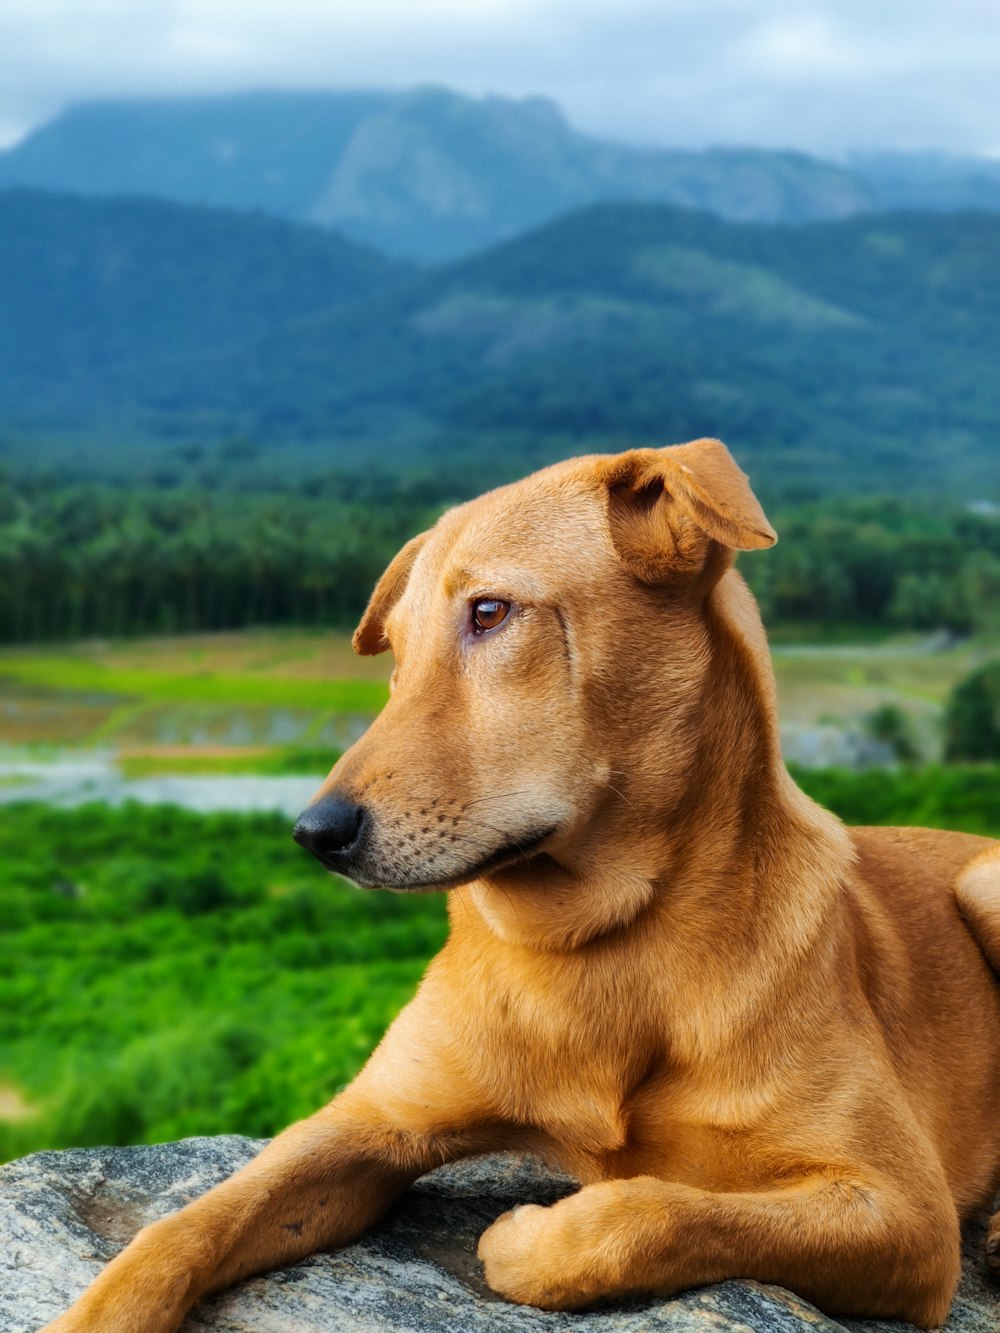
point(933, 992)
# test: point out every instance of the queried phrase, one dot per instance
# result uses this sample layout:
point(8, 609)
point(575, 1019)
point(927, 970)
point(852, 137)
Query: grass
point(271, 651)
point(267, 761)
point(65, 674)
point(269, 688)
point(962, 797)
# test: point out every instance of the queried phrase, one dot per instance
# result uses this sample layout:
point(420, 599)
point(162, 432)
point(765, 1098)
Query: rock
point(64, 1214)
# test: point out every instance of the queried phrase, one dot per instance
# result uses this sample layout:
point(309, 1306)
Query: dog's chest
point(596, 1135)
point(580, 1060)
point(608, 1102)
point(565, 1068)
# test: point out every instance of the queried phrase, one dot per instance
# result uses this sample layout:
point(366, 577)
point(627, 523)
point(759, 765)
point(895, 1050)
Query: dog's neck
point(715, 844)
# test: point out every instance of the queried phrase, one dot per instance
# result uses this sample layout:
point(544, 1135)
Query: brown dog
point(768, 1046)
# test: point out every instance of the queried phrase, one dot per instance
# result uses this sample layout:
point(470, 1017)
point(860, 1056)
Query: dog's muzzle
point(332, 829)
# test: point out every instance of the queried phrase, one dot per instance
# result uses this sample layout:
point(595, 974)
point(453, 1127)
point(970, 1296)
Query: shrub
point(972, 718)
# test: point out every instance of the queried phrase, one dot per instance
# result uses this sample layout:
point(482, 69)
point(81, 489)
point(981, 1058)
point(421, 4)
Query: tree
point(889, 725)
point(972, 718)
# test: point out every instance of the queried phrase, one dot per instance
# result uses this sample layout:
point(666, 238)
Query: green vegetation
point(963, 798)
point(166, 973)
point(881, 561)
point(113, 559)
point(972, 718)
point(67, 673)
point(267, 701)
point(267, 761)
point(891, 726)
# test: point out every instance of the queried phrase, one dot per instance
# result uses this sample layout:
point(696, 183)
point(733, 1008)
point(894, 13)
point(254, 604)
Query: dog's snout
point(331, 828)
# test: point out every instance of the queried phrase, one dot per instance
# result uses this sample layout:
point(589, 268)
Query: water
point(68, 781)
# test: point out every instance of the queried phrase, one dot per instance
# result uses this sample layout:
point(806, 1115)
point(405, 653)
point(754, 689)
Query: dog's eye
point(487, 613)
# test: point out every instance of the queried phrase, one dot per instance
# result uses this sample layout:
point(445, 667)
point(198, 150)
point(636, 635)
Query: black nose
point(330, 829)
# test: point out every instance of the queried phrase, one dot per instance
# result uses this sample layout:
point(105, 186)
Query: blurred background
point(278, 284)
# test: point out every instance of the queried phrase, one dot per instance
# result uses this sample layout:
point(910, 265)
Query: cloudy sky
point(825, 76)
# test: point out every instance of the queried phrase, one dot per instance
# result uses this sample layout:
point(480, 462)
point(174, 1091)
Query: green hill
point(107, 305)
point(869, 342)
point(830, 353)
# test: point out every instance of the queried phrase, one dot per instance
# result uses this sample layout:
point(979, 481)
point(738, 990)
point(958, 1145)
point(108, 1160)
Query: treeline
point(84, 559)
point(881, 561)
point(80, 560)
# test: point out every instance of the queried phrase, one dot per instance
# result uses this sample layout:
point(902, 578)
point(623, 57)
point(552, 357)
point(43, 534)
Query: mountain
point(428, 174)
point(107, 305)
point(858, 353)
point(942, 182)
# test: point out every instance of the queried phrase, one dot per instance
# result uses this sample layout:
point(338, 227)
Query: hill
point(427, 174)
point(867, 342)
point(830, 353)
point(109, 304)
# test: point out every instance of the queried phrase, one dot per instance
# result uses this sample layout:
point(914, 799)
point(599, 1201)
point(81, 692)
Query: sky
point(827, 76)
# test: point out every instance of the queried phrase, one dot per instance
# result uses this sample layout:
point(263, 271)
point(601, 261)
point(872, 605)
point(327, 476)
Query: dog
point(768, 1046)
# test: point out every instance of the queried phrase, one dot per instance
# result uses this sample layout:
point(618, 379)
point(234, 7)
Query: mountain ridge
point(426, 174)
point(432, 175)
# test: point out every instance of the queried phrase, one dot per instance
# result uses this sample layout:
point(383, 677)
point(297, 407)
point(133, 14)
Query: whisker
point(497, 796)
point(511, 902)
point(613, 788)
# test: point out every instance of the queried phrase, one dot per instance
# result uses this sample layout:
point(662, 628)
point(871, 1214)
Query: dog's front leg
point(851, 1246)
point(318, 1185)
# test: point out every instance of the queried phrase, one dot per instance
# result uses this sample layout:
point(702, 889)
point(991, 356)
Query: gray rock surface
point(64, 1214)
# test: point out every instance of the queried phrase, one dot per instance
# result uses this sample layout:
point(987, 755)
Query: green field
point(283, 701)
point(259, 697)
point(844, 684)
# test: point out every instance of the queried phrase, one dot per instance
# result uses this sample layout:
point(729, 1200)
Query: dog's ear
point(664, 503)
point(369, 637)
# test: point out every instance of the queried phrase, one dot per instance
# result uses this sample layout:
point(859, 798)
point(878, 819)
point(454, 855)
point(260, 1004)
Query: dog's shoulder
point(905, 885)
point(926, 857)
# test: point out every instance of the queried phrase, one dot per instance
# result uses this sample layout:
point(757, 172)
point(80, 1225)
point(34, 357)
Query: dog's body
point(767, 1046)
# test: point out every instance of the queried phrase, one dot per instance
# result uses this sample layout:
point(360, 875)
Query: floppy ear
point(369, 637)
point(664, 503)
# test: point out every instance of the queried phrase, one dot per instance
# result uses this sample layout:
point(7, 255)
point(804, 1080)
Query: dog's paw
point(555, 1258)
point(515, 1254)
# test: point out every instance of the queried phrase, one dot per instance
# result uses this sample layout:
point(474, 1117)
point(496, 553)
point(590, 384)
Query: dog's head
point(550, 642)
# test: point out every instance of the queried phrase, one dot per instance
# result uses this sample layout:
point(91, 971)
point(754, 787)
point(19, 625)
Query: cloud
point(834, 75)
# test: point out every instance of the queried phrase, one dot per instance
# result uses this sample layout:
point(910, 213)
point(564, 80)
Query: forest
point(110, 559)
